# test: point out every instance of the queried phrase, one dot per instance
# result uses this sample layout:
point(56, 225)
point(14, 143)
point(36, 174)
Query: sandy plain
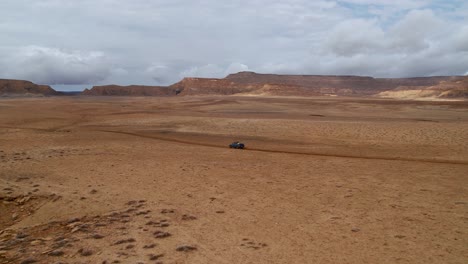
point(151, 180)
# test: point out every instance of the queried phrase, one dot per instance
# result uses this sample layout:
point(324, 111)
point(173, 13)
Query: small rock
point(220, 212)
point(149, 246)
point(122, 241)
point(73, 220)
point(85, 252)
point(355, 229)
point(188, 217)
point(28, 261)
point(97, 236)
point(185, 248)
point(35, 242)
point(21, 235)
point(161, 234)
point(155, 257)
point(56, 253)
point(143, 212)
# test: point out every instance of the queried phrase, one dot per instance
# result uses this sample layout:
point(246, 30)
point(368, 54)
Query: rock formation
point(131, 90)
point(249, 83)
point(24, 88)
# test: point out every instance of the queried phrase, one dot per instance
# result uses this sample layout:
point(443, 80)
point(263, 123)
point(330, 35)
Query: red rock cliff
point(19, 87)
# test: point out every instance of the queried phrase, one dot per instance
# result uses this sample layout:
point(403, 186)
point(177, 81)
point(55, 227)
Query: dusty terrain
point(151, 180)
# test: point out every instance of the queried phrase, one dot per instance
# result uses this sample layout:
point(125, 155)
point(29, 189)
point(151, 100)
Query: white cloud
point(236, 67)
point(354, 36)
point(415, 30)
point(158, 42)
point(213, 70)
point(54, 66)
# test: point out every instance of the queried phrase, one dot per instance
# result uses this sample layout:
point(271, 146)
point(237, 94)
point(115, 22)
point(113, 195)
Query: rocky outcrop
point(131, 90)
point(448, 88)
point(249, 83)
point(24, 88)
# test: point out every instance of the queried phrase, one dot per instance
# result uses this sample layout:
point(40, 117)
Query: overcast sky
point(158, 42)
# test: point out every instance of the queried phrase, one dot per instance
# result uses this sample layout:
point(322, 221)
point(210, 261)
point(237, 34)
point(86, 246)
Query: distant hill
point(24, 88)
point(131, 90)
point(250, 83)
point(254, 84)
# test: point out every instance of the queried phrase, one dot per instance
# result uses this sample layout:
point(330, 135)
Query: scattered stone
point(186, 248)
point(76, 229)
point(167, 211)
point(149, 246)
point(129, 246)
point(28, 261)
point(130, 210)
point(155, 257)
point(93, 191)
point(56, 253)
point(143, 212)
point(161, 234)
point(355, 229)
point(85, 252)
point(220, 212)
point(60, 243)
point(252, 245)
point(21, 235)
point(122, 241)
point(400, 236)
point(97, 236)
point(73, 220)
point(35, 242)
point(186, 217)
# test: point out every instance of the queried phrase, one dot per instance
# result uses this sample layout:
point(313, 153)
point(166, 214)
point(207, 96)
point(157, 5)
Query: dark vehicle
point(237, 145)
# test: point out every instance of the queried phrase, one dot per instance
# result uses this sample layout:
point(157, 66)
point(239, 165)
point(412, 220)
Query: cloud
point(158, 42)
point(460, 40)
point(415, 30)
point(159, 73)
point(354, 37)
point(213, 70)
point(418, 44)
point(54, 66)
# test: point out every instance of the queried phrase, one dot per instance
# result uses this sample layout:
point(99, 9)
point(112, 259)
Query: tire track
point(454, 162)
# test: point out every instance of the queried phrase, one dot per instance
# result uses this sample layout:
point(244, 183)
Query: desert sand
point(152, 180)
